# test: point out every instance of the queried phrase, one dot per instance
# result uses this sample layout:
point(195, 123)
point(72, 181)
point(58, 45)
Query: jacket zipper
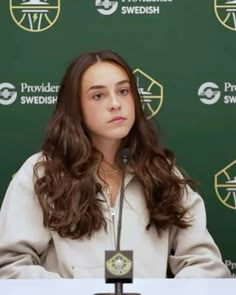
point(113, 225)
point(113, 215)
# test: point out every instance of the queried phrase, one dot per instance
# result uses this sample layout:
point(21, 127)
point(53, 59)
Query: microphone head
point(125, 155)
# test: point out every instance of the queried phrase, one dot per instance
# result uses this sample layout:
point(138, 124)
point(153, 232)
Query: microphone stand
point(119, 264)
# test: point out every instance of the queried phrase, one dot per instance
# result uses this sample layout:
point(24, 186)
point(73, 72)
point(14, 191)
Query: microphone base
point(117, 294)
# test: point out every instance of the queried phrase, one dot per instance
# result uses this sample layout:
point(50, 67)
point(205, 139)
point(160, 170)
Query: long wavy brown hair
point(65, 181)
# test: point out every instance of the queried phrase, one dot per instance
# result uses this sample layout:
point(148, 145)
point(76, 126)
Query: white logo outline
point(147, 97)
point(34, 12)
point(209, 93)
point(109, 6)
point(230, 13)
point(7, 90)
point(228, 185)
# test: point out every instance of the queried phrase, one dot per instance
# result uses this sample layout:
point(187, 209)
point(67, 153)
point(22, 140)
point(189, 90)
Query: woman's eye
point(98, 96)
point(124, 91)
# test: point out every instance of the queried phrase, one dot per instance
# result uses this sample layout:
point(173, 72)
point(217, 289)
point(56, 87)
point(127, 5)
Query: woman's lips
point(117, 119)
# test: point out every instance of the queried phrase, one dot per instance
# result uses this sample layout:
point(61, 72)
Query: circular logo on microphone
point(209, 93)
point(8, 93)
point(119, 265)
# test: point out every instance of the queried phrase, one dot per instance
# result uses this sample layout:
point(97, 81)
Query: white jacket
point(29, 250)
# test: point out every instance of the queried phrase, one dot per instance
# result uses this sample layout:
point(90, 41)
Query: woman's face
point(107, 102)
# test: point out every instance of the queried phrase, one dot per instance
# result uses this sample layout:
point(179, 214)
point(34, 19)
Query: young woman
point(60, 211)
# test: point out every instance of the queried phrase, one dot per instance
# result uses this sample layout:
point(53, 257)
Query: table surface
point(142, 286)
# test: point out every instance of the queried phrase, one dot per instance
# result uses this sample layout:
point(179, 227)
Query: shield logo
point(119, 264)
point(151, 93)
point(225, 185)
point(35, 15)
point(225, 11)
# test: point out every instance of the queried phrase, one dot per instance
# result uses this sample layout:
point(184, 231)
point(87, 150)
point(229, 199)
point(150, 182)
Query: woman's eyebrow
point(102, 86)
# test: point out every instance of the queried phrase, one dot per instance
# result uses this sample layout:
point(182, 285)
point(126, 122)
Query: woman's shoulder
point(32, 160)
point(27, 168)
point(190, 196)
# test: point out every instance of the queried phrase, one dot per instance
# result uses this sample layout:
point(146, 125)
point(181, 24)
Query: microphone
point(119, 263)
point(125, 160)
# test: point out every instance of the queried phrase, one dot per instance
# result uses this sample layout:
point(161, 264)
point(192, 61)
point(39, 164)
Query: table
point(143, 286)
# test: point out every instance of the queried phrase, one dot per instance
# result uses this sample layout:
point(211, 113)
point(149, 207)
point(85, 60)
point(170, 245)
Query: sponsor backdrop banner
point(183, 55)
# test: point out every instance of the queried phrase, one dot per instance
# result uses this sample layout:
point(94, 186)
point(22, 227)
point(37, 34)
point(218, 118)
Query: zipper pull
point(113, 213)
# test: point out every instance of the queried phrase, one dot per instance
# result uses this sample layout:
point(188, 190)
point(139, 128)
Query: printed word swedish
point(35, 99)
point(140, 10)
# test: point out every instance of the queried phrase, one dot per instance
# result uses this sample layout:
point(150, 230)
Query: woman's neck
point(108, 149)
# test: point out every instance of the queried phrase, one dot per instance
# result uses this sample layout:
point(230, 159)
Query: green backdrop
point(182, 53)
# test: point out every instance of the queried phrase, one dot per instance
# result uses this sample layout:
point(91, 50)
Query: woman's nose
point(114, 102)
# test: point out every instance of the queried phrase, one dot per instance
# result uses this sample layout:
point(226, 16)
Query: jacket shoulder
point(26, 170)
